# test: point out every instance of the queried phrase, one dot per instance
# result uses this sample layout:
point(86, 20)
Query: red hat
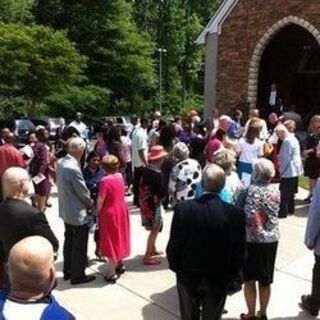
point(156, 152)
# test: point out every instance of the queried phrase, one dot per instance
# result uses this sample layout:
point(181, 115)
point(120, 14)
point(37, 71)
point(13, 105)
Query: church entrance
point(291, 60)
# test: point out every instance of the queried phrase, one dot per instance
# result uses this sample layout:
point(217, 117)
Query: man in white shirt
point(139, 156)
point(275, 103)
point(32, 276)
point(273, 95)
point(80, 126)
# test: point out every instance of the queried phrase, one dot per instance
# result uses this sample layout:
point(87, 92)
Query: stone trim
point(262, 44)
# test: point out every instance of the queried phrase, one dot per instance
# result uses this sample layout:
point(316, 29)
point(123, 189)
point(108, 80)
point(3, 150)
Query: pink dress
point(114, 226)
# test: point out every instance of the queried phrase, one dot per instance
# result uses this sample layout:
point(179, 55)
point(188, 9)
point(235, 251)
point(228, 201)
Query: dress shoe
point(85, 279)
point(306, 305)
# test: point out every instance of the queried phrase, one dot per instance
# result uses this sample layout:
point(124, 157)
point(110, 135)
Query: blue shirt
point(224, 194)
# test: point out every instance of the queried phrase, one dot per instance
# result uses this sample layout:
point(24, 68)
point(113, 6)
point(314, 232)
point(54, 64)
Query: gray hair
point(181, 151)
point(281, 128)
point(263, 171)
point(213, 178)
point(225, 159)
point(76, 144)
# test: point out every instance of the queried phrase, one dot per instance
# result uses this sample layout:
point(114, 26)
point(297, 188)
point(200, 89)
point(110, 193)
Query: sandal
point(261, 316)
point(243, 316)
point(112, 279)
point(120, 269)
point(151, 261)
point(157, 253)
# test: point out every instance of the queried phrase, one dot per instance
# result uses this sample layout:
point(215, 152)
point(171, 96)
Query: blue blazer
point(312, 237)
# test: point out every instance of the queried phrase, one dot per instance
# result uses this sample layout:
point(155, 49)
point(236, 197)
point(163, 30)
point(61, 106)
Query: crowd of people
point(219, 175)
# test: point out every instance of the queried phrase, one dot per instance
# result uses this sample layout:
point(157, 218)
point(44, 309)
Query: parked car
point(20, 127)
point(119, 120)
point(51, 124)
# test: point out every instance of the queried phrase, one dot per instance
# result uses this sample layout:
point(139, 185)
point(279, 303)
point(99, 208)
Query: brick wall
point(241, 32)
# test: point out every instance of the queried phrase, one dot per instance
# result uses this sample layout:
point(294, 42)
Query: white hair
point(225, 117)
point(213, 178)
point(76, 144)
point(263, 171)
point(281, 128)
point(181, 151)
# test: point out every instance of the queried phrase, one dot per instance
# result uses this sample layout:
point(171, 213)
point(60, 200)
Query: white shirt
point(139, 142)
point(233, 183)
point(16, 311)
point(273, 98)
point(13, 310)
point(249, 152)
point(81, 127)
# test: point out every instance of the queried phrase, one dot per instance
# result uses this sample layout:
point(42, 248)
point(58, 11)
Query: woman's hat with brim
point(156, 153)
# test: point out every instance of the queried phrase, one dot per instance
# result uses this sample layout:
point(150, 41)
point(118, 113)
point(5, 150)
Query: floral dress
point(152, 191)
point(261, 205)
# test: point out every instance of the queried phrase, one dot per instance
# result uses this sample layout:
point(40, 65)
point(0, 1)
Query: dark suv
point(20, 127)
point(51, 124)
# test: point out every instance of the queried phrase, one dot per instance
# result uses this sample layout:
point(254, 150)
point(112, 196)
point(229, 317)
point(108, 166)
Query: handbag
point(268, 149)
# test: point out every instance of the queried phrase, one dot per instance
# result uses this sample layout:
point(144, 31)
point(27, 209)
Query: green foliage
point(12, 11)
point(121, 39)
point(120, 58)
point(175, 25)
point(90, 100)
point(36, 62)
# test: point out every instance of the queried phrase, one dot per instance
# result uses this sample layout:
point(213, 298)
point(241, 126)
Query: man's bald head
point(7, 136)
point(15, 182)
point(31, 265)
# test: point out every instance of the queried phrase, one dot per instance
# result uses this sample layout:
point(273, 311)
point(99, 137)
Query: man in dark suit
point(59, 133)
point(206, 249)
point(18, 219)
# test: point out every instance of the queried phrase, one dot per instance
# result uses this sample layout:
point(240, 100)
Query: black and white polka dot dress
point(184, 179)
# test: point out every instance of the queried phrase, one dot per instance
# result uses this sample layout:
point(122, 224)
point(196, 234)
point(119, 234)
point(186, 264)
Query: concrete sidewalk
point(148, 292)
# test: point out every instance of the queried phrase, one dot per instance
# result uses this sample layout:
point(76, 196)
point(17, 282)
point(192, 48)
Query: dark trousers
point(199, 299)
point(75, 251)
point(137, 174)
point(129, 174)
point(3, 275)
point(288, 188)
point(315, 294)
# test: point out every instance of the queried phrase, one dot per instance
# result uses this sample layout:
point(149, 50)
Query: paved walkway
point(146, 292)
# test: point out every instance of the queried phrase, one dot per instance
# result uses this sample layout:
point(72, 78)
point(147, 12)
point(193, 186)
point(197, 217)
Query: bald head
point(31, 265)
point(15, 182)
point(254, 113)
point(213, 178)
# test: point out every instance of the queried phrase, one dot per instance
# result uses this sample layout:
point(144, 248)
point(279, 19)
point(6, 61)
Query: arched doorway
point(291, 59)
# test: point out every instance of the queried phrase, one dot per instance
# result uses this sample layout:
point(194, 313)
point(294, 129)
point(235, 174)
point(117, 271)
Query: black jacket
point(207, 240)
point(19, 220)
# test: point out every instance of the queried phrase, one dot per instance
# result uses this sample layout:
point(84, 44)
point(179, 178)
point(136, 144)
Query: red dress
point(114, 226)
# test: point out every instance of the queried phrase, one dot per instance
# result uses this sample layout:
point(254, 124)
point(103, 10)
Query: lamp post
point(161, 51)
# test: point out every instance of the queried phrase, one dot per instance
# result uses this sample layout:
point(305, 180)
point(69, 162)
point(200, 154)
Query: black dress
point(312, 163)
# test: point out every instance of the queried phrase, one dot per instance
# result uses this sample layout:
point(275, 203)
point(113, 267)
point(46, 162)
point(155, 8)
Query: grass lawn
point(304, 183)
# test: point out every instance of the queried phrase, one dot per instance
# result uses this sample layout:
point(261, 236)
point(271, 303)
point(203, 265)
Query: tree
point(12, 11)
point(175, 25)
point(36, 62)
point(120, 58)
point(91, 100)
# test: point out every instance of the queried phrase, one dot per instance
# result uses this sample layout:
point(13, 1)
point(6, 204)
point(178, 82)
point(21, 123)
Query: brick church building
point(250, 44)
